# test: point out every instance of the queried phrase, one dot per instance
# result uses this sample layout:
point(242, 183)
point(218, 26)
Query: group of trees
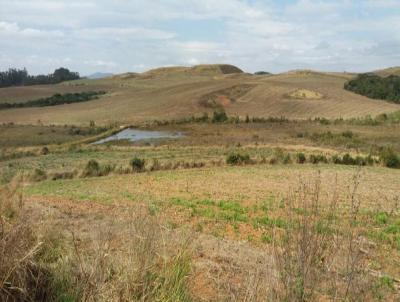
point(57, 99)
point(376, 87)
point(20, 77)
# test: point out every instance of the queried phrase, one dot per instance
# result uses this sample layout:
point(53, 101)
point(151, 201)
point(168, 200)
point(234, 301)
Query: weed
point(38, 175)
point(137, 164)
point(389, 158)
point(300, 158)
point(237, 159)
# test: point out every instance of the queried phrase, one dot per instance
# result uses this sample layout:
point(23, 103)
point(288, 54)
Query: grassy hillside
point(177, 92)
point(388, 71)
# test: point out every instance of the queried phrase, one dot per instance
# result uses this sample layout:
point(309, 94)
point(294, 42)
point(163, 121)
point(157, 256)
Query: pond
point(134, 135)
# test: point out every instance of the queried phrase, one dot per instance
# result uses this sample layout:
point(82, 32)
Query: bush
point(92, 168)
point(39, 175)
point(360, 161)
point(336, 159)
point(389, 158)
point(44, 151)
point(137, 164)
point(315, 159)
point(287, 159)
point(348, 160)
point(219, 116)
point(237, 159)
point(300, 158)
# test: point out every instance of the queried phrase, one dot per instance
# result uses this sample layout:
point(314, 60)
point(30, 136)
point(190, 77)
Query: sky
point(136, 35)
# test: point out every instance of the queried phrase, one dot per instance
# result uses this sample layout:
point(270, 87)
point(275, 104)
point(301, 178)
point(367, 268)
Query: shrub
point(92, 168)
point(348, 134)
point(348, 160)
point(219, 116)
point(300, 158)
point(237, 159)
point(307, 249)
point(62, 175)
point(389, 158)
point(315, 159)
point(38, 175)
point(287, 159)
point(360, 161)
point(44, 151)
point(137, 164)
point(336, 159)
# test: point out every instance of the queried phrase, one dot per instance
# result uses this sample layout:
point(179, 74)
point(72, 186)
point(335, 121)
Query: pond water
point(134, 135)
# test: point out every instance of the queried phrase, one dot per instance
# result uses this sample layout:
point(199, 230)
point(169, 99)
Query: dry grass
point(21, 278)
point(168, 94)
point(139, 270)
point(306, 94)
point(320, 255)
point(42, 264)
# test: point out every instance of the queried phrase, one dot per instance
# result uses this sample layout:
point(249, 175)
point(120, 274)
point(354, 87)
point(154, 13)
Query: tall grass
point(21, 278)
point(46, 265)
point(320, 254)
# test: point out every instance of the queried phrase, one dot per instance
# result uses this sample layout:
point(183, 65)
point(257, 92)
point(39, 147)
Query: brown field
point(233, 211)
point(388, 71)
point(171, 93)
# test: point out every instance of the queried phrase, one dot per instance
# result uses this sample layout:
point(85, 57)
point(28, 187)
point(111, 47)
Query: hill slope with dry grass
point(176, 92)
point(388, 71)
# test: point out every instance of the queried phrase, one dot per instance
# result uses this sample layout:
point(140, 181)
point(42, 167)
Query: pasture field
point(231, 214)
point(172, 93)
point(292, 208)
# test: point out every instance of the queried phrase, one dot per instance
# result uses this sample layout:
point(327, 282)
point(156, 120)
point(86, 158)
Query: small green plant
point(92, 168)
point(287, 159)
point(219, 116)
point(137, 164)
point(266, 238)
point(319, 158)
point(44, 151)
point(381, 218)
point(347, 159)
point(389, 158)
point(300, 158)
point(39, 175)
point(237, 159)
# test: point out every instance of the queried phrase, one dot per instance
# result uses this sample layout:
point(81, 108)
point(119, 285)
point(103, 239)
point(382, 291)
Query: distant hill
point(99, 75)
point(388, 71)
point(177, 92)
point(198, 70)
point(262, 73)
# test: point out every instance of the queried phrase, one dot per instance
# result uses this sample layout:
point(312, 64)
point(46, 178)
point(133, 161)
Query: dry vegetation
point(241, 208)
point(175, 92)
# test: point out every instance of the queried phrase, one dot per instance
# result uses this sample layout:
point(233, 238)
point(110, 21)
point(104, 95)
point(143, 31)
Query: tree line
point(376, 87)
point(57, 99)
point(21, 77)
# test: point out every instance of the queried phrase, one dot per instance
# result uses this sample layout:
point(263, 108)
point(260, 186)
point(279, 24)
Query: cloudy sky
point(136, 35)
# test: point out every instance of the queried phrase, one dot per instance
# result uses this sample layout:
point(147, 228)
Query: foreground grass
point(241, 202)
point(40, 263)
point(248, 203)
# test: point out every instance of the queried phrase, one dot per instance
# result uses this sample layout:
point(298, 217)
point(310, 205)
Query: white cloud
point(134, 33)
point(8, 29)
point(124, 35)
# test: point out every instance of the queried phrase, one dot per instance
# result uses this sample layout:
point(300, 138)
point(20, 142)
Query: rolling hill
point(176, 92)
point(388, 71)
